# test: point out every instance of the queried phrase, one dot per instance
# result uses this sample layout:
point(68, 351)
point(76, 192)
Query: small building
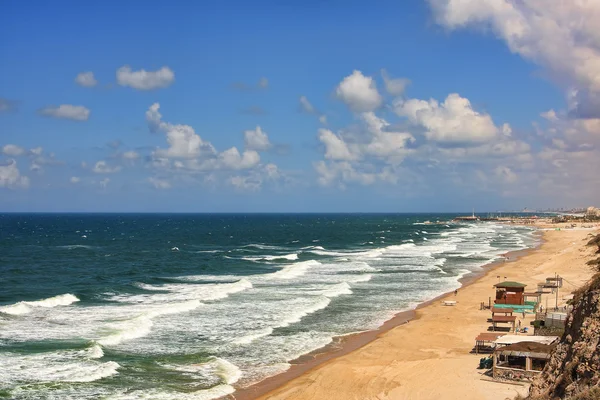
point(510, 293)
point(521, 361)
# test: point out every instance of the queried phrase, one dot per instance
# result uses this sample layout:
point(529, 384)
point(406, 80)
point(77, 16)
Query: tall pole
point(556, 283)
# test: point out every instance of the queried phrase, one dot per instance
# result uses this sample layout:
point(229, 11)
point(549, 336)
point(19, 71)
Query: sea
point(191, 306)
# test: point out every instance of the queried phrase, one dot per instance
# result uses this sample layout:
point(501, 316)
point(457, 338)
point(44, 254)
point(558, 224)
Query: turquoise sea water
point(191, 306)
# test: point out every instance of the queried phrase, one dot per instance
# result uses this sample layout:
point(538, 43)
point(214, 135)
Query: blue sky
point(406, 106)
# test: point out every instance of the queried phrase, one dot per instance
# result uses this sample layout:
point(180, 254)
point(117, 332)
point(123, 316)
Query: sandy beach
point(430, 356)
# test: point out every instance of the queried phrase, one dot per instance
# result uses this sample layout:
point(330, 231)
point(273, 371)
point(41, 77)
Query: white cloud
point(323, 119)
point(335, 147)
point(86, 79)
point(12, 150)
point(385, 143)
point(75, 179)
point(394, 86)
point(66, 111)
point(145, 80)
point(11, 178)
point(359, 92)
point(453, 121)
point(256, 139)
point(102, 167)
point(130, 155)
point(159, 183)
point(36, 151)
point(306, 106)
point(246, 183)
point(183, 140)
point(232, 159)
point(104, 183)
point(562, 37)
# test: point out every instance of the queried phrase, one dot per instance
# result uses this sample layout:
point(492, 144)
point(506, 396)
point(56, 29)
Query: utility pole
point(556, 283)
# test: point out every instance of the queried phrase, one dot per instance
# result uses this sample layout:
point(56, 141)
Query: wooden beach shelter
point(485, 341)
point(503, 319)
point(533, 296)
point(504, 311)
point(509, 292)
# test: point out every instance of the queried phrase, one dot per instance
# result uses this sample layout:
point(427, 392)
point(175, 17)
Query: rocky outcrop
point(573, 371)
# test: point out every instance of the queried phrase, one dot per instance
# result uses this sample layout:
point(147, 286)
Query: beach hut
point(509, 292)
point(521, 361)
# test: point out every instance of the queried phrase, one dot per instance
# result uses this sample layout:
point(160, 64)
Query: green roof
point(509, 284)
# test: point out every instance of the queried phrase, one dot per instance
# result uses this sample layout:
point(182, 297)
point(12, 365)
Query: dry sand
point(430, 357)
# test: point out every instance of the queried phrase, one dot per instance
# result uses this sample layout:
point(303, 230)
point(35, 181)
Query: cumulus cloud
point(86, 79)
point(75, 179)
point(145, 80)
point(232, 159)
point(10, 176)
point(159, 183)
point(104, 183)
point(335, 147)
point(359, 92)
point(256, 139)
point(199, 155)
point(384, 142)
point(101, 167)
point(563, 37)
point(66, 111)
point(183, 140)
point(453, 121)
point(13, 150)
point(394, 86)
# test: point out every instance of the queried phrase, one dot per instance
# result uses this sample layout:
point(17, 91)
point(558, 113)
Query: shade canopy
point(509, 284)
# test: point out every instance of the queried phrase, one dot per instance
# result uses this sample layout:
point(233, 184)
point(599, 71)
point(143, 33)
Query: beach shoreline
point(342, 345)
point(304, 368)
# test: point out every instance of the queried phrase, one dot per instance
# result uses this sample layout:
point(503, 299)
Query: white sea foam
point(291, 257)
point(15, 309)
point(337, 290)
point(25, 307)
point(361, 278)
point(215, 392)
point(181, 292)
point(254, 336)
point(95, 351)
point(141, 326)
point(294, 270)
point(76, 246)
point(62, 366)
